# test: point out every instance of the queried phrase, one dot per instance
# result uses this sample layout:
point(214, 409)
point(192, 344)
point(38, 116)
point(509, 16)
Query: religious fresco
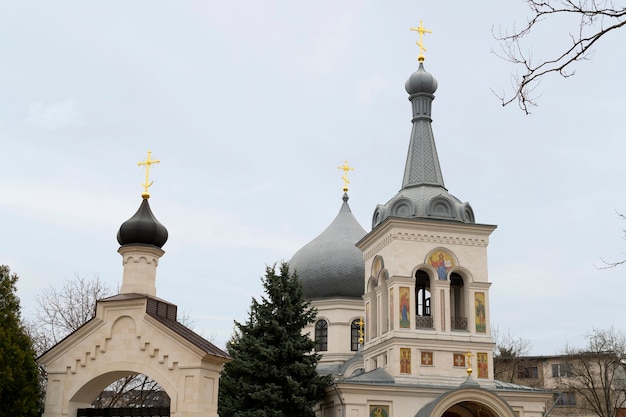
point(459, 359)
point(405, 360)
point(442, 261)
point(479, 307)
point(379, 411)
point(377, 265)
point(482, 362)
point(391, 311)
point(405, 308)
point(427, 358)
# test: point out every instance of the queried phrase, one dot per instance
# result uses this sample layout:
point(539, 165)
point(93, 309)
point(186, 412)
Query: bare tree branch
point(596, 372)
point(594, 19)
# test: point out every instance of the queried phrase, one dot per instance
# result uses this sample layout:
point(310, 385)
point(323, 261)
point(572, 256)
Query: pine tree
point(19, 374)
point(273, 372)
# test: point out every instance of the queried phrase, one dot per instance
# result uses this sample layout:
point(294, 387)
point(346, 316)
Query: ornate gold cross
point(344, 177)
point(421, 30)
point(147, 184)
point(361, 332)
point(469, 355)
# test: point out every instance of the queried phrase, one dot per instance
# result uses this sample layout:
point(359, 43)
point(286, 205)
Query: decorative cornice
point(438, 238)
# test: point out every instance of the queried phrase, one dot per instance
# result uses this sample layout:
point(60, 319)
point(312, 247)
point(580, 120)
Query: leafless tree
point(508, 354)
point(590, 20)
point(61, 311)
point(595, 373)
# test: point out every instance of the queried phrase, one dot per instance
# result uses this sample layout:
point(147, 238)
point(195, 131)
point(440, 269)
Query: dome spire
point(423, 193)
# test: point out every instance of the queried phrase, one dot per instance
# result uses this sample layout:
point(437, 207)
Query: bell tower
point(426, 276)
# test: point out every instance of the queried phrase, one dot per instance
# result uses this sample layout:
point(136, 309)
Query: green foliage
point(273, 369)
point(19, 383)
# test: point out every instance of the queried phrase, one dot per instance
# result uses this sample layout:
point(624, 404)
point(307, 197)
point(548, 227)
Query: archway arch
point(467, 402)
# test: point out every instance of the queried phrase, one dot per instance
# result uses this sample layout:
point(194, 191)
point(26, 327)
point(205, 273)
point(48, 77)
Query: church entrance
point(124, 412)
point(469, 409)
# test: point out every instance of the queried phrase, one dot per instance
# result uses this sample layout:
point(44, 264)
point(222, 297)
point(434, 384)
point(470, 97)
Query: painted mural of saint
point(441, 264)
point(405, 321)
point(479, 305)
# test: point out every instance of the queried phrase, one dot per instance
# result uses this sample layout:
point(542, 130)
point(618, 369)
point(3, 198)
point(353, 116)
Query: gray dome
point(331, 265)
point(143, 228)
point(421, 82)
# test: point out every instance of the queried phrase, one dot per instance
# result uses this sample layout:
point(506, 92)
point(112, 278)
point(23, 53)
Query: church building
point(403, 322)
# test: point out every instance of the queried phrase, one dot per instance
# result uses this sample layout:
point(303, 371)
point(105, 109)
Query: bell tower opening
point(457, 303)
point(423, 317)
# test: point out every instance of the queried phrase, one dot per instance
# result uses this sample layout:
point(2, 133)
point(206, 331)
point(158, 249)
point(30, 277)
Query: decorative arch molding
point(464, 273)
point(497, 406)
point(432, 272)
point(403, 207)
point(372, 283)
point(377, 265)
point(87, 390)
point(441, 207)
point(467, 213)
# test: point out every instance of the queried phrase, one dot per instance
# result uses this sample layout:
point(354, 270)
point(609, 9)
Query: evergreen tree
point(273, 372)
point(19, 374)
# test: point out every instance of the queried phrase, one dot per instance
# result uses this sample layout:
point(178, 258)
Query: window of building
point(561, 370)
point(354, 335)
point(321, 335)
point(527, 372)
point(565, 399)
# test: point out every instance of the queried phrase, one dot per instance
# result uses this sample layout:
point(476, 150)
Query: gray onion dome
point(331, 265)
point(143, 229)
point(421, 82)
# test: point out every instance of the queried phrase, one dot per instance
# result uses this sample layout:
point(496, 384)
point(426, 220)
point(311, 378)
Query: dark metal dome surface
point(331, 265)
point(143, 228)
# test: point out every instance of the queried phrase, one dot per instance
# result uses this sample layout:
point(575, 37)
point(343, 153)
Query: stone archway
point(133, 334)
point(468, 402)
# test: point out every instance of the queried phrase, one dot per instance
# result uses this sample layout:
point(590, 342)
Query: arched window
point(354, 334)
point(422, 300)
point(457, 303)
point(321, 336)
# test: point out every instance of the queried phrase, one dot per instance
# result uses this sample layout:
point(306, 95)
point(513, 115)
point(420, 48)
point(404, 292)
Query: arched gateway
point(135, 332)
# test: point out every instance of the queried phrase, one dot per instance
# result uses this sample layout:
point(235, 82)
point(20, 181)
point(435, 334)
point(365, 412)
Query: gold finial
point(421, 30)
point(361, 323)
point(344, 177)
point(147, 163)
point(468, 356)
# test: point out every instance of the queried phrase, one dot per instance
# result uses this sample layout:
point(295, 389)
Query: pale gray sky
point(251, 106)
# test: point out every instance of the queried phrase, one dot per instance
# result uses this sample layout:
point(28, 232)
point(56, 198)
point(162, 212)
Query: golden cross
point(344, 177)
point(421, 30)
point(469, 355)
point(147, 163)
point(361, 332)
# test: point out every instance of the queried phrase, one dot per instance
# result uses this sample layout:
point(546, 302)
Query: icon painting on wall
point(442, 261)
point(405, 308)
point(379, 411)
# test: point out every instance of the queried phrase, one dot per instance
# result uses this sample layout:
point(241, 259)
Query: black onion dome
point(143, 228)
point(331, 265)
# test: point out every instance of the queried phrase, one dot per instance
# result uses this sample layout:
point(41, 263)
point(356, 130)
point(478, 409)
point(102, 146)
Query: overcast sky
point(252, 105)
